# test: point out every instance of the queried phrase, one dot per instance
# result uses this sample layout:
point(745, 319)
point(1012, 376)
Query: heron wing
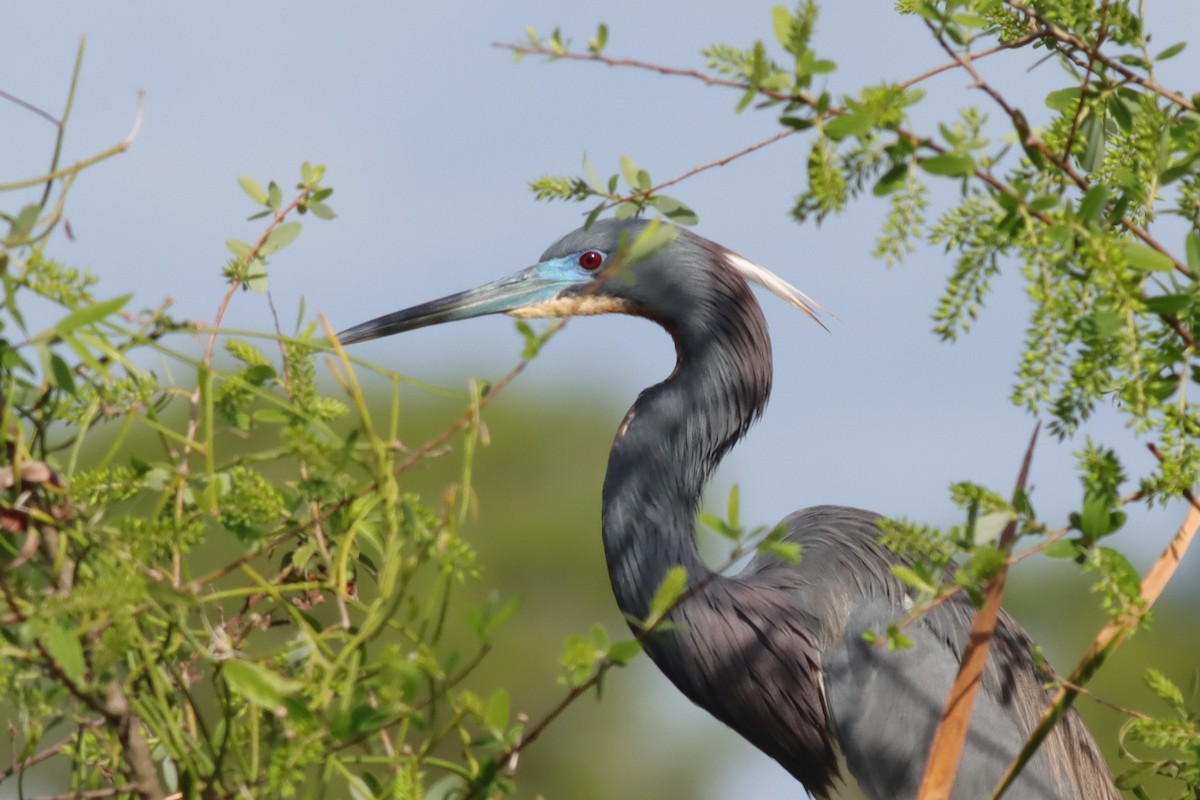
point(884, 706)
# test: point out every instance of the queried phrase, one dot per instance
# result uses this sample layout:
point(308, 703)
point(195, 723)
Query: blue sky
point(430, 136)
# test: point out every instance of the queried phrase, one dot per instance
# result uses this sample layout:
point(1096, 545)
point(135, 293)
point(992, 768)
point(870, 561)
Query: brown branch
point(137, 753)
point(614, 200)
point(30, 761)
point(955, 64)
point(946, 750)
point(1092, 52)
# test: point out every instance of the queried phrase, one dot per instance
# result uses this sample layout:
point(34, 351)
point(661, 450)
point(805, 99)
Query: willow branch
point(1111, 636)
point(1077, 44)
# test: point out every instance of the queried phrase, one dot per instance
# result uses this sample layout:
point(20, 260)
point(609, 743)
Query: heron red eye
point(591, 260)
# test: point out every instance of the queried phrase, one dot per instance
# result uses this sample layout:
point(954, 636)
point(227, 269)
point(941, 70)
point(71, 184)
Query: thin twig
point(36, 758)
point(955, 64)
point(79, 166)
point(720, 162)
point(608, 61)
point(46, 115)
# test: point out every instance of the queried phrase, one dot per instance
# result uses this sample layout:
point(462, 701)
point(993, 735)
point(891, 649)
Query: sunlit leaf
point(89, 314)
point(948, 164)
point(280, 237)
point(252, 189)
point(1141, 256)
point(61, 641)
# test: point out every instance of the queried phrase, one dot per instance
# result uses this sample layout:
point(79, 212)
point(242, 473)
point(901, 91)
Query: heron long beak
point(529, 287)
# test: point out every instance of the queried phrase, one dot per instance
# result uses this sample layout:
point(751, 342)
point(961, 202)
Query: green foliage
point(312, 658)
point(640, 195)
point(1167, 746)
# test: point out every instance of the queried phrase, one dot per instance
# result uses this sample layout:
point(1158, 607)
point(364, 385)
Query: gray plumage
point(775, 652)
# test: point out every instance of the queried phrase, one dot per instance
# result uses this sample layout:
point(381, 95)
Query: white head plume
point(777, 286)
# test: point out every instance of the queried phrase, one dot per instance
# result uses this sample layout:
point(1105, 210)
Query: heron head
point(590, 271)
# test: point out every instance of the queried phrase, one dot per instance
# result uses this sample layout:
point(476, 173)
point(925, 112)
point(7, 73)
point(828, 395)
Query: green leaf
point(63, 377)
point(1092, 132)
point(1192, 245)
point(258, 683)
point(239, 248)
point(311, 174)
point(252, 189)
point(357, 720)
point(788, 552)
point(948, 164)
point(1168, 303)
point(89, 314)
point(746, 99)
point(655, 236)
point(591, 178)
point(891, 180)
point(272, 416)
point(969, 20)
point(624, 651)
point(62, 643)
point(1063, 548)
point(783, 21)
point(1092, 204)
point(911, 577)
point(1101, 324)
point(1146, 258)
point(320, 210)
point(626, 210)
point(796, 123)
point(675, 210)
point(1171, 51)
point(485, 621)
point(1062, 100)
point(496, 714)
point(22, 224)
point(629, 171)
point(596, 43)
point(667, 594)
point(280, 237)
point(1097, 518)
point(852, 123)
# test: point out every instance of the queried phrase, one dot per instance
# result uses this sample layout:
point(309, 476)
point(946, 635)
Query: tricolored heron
point(777, 651)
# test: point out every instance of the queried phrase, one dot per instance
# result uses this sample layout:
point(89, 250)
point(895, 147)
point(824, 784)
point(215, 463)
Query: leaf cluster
point(312, 657)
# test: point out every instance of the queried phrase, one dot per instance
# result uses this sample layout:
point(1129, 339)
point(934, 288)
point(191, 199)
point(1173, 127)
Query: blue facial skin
point(537, 284)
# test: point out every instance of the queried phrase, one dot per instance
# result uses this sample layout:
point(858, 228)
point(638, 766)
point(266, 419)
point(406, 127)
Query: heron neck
point(672, 440)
